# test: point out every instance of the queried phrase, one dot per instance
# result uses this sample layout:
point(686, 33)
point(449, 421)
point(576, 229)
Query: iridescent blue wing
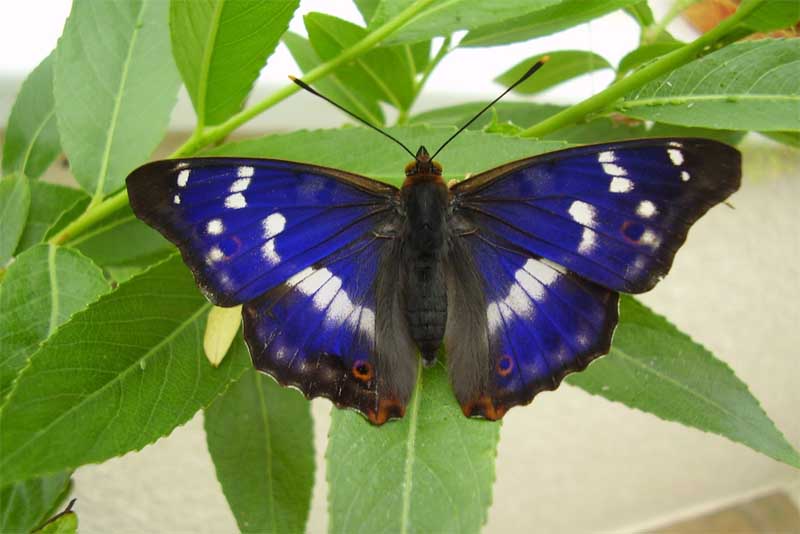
point(300, 245)
point(324, 332)
point(549, 240)
point(615, 213)
point(244, 226)
point(534, 323)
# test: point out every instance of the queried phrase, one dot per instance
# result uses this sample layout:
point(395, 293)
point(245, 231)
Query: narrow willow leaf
point(220, 47)
point(471, 153)
point(787, 138)
point(48, 202)
point(331, 86)
point(32, 142)
point(15, 201)
point(527, 114)
point(644, 54)
point(115, 85)
point(383, 73)
point(63, 524)
point(745, 86)
point(41, 290)
point(115, 377)
point(641, 13)
point(773, 15)
point(444, 18)
point(123, 240)
point(558, 17)
point(656, 368)
point(431, 471)
point(260, 436)
point(221, 329)
point(420, 55)
point(563, 65)
point(367, 8)
point(25, 504)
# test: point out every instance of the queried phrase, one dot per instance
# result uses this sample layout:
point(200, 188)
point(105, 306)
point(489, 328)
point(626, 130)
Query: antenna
point(538, 65)
point(308, 88)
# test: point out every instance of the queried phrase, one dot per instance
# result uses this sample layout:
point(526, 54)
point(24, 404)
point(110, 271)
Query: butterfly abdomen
point(424, 286)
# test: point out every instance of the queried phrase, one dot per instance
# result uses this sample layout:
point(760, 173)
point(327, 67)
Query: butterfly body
point(516, 271)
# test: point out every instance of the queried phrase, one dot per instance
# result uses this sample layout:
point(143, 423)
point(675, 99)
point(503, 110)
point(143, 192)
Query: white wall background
point(569, 462)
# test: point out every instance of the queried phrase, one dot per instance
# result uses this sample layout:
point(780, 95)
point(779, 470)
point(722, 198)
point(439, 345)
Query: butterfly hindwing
point(245, 225)
point(541, 323)
point(318, 331)
point(614, 213)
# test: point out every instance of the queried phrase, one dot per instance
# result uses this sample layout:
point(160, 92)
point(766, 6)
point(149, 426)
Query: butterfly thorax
point(425, 199)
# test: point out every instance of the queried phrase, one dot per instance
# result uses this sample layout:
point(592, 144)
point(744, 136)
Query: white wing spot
point(235, 201)
point(245, 171)
point(646, 209)
point(493, 317)
point(215, 254)
point(215, 227)
point(183, 177)
point(269, 252)
point(299, 277)
point(313, 281)
point(620, 185)
point(274, 225)
point(176, 199)
point(675, 144)
point(588, 241)
point(613, 169)
point(685, 176)
point(327, 292)
point(650, 238)
point(676, 156)
point(607, 157)
point(240, 185)
point(541, 271)
point(582, 213)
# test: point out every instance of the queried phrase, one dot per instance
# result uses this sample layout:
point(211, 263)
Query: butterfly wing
point(300, 245)
point(549, 240)
point(244, 226)
point(615, 214)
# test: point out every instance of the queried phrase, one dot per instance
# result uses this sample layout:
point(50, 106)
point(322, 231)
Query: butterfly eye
point(504, 366)
point(362, 370)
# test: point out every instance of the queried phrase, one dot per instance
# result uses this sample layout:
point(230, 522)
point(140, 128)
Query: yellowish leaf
point(221, 328)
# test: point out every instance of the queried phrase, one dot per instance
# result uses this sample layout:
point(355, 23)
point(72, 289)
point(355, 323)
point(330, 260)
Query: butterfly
point(345, 280)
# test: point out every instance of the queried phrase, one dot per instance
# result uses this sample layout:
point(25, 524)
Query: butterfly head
point(423, 168)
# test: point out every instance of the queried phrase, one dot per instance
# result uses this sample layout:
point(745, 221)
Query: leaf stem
point(659, 67)
point(440, 54)
point(199, 140)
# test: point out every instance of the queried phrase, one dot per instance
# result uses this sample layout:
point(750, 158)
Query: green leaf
point(48, 202)
point(260, 436)
point(645, 54)
point(41, 290)
point(115, 377)
point(524, 114)
point(444, 18)
point(222, 326)
point(64, 524)
point(32, 142)
point(344, 149)
point(641, 13)
point(787, 138)
point(220, 46)
point(383, 73)
point(773, 15)
point(26, 504)
point(115, 86)
point(15, 201)
point(745, 86)
point(123, 240)
point(555, 18)
point(562, 66)
point(367, 8)
point(431, 471)
point(656, 368)
point(420, 55)
point(331, 86)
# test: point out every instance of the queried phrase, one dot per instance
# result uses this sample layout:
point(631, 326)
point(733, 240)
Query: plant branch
point(199, 140)
point(440, 54)
point(659, 67)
